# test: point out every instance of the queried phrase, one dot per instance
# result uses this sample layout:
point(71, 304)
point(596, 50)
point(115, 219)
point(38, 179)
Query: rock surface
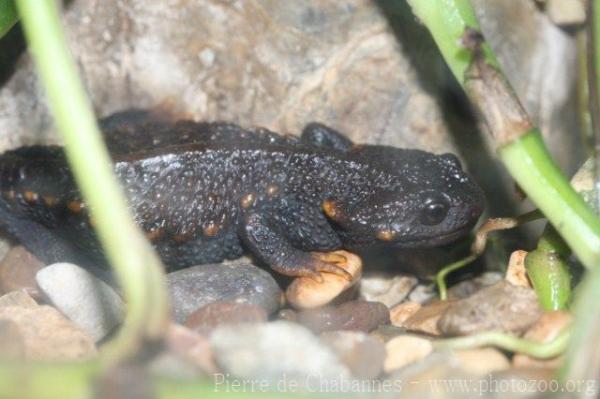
point(17, 298)
point(468, 287)
point(425, 320)
point(12, 347)
point(48, 335)
point(482, 361)
point(215, 314)
point(361, 353)
point(389, 290)
point(422, 293)
point(192, 346)
point(354, 315)
point(405, 349)
point(516, 274)
point(502, 307)
point(402, 312)
point(238, 282)
point(17, 272)
point(85, 299)
point(279, 352)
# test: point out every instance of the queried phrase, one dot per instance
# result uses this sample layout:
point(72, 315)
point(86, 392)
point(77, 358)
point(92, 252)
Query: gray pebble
point(389, 290)
point(239, 282)
point(86, 300)
point(362, 353)
point(282, 354)
point(499, 307)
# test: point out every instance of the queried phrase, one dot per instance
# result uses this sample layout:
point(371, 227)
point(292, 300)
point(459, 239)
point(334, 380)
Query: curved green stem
point(440, 278)
point(509, 343)
point(137, 267)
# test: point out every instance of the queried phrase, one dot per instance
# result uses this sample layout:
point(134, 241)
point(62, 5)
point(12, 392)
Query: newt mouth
point(435, 241)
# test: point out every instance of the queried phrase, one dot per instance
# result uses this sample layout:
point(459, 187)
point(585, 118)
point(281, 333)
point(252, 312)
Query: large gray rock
point(499, 307)
point(280, 353)
point(239, 282)
point(86, 300)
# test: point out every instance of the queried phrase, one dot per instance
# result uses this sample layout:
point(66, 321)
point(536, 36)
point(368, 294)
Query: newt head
point(424, 200)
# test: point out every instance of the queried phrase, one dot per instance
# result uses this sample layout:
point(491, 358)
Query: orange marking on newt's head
point(31, 196)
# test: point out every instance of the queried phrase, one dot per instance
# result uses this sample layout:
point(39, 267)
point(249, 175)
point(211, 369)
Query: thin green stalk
point(8, 16)
point(530, 164)
point(441, 275)
point(509, 343)
point(136, 265)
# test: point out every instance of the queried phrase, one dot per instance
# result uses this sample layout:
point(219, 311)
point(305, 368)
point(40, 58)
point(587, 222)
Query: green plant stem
point(447, 21)
point(136, 265)
point(548, 270)
point(8, 16)
point(440, 278)
point(509, 343)
point(530, 164)
point(520, 147)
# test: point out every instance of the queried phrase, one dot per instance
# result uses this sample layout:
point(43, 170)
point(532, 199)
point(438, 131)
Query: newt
point(208, 191)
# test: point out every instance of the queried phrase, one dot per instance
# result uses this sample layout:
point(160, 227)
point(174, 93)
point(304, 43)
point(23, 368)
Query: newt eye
point(434, 212)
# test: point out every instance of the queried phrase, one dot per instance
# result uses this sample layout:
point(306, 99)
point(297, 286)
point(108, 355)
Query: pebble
point(17, 272)
point(432, 377)
point(11, 341)
point(85, 299)
point(516, 274)
point(405, 349)
point(306, 293)
point(239, 282)
point(48, 335)
point(17, 298)
point(210, 316)
point(466, 288)
point(389, 290)
point(361, 353)
point(548, 327)
point(425, 320)
point(354, 315)
point(287, 314)
point(422, 293)
point(402, 312)
point(187, 344)
point(482, 361)
point(501, 307)
point(278, 353)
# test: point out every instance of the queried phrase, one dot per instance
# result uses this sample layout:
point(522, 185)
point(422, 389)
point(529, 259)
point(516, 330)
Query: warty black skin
point(205, 192)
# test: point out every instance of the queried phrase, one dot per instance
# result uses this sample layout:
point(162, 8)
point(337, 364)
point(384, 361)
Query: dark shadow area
point(12, 45)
